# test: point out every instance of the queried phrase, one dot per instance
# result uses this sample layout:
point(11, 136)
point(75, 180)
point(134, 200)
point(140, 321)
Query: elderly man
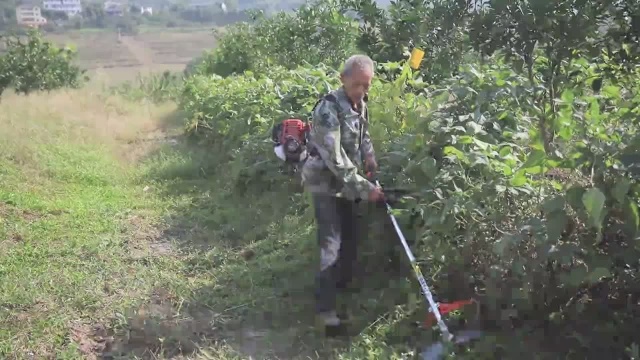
point(340, 144)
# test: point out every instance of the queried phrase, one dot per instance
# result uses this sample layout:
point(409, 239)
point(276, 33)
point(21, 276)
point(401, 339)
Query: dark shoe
point(332, 324)
point(344, 316)
point(336, 331)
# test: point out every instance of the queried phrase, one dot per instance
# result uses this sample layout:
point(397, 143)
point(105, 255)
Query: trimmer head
point(445, 308)
point(436, 351)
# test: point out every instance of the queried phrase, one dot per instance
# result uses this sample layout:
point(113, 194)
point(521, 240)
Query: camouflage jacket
point(339, 141)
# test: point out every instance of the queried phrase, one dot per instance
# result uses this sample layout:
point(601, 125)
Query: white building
point(30, 15)
point(69, 7)
point(146, 10)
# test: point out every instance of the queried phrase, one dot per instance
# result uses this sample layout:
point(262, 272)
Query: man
point(340, 144)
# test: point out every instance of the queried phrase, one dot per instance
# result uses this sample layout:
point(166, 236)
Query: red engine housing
point(291, 134)
point(293, 129)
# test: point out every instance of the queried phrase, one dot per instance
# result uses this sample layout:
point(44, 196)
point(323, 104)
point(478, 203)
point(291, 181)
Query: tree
point(36, 64)
point(94, 14)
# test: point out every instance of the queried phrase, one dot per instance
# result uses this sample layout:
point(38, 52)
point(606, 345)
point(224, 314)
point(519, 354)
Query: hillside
point(152, 219)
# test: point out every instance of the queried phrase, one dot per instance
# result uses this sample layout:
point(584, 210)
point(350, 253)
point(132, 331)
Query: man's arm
point(326, 129)
point(367, 144)
point(367, 152)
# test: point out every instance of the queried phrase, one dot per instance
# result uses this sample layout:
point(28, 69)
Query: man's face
point(357, 83)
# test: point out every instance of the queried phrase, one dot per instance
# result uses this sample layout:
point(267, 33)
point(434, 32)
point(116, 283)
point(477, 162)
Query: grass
point(68, 204)
point(121, 239)
point(98, 253)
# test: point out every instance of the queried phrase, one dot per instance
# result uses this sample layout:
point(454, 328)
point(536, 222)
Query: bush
point(36, 65)
point(315, 33)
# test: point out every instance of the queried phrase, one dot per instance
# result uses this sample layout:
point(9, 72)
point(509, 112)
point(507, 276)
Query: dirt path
point(138, 49)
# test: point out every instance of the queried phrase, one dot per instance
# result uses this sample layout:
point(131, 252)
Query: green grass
point(82, 246)
point(75, 230)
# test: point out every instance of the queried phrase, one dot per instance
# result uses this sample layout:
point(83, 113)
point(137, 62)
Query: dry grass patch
point(83, 117)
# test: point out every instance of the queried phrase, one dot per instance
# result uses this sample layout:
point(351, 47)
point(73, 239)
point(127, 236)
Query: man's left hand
point(371, 167)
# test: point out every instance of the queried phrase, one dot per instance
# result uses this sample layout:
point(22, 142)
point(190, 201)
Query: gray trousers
point(337, 231)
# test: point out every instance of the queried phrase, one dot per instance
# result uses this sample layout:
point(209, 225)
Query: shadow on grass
point(248, 260)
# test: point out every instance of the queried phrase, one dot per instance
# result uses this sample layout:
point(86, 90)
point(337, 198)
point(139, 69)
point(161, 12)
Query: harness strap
point(331, 98)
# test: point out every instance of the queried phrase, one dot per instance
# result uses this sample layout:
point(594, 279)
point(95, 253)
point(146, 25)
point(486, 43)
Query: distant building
point(30, 15)
point(144, 10)
point(201, 4)
point(69, 7)
point(113, 8)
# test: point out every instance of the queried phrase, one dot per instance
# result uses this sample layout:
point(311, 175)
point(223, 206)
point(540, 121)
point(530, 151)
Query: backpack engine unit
point(290, 140)
point(290, 137)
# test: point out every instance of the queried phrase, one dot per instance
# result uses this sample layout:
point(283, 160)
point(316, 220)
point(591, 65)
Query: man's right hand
point(376, 195)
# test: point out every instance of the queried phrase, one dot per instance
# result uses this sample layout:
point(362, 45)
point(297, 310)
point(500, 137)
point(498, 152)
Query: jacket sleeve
point(326, 139)
point(367, 146)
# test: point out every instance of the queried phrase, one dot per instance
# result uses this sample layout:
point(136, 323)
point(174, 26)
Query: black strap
point(329, 97)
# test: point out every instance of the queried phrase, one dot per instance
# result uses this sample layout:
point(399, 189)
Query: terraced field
point(97, 50)
point(177, 47)
point(151, 51)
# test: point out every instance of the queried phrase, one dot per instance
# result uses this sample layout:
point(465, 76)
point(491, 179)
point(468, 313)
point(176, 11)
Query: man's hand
point(376, 195)
point(371, 167)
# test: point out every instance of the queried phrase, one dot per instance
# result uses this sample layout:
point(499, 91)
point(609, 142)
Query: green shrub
point(315, 33)
point(36, 65)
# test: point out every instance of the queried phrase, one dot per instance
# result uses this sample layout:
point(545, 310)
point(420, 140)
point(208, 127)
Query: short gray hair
point(357, 61)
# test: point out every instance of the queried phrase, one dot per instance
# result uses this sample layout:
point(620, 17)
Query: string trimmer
point(434, 351)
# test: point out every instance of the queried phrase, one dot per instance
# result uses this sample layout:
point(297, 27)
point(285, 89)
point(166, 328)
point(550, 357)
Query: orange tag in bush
point(416, 58)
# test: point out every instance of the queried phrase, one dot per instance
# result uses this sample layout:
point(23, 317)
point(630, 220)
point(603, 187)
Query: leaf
point(567, 96)
point(429, 167)
point(621, 189)
point(575, 277)
point(450, 150)
point(505, 150)
point(632, 217)
point(611, 91)
point(555, 224)
point(475, 128)
point(481, 144)
point(593, 201)
point(535, 158)
point(554, 204)
point(597, 273)
point(574, 197)
point(519, 180)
